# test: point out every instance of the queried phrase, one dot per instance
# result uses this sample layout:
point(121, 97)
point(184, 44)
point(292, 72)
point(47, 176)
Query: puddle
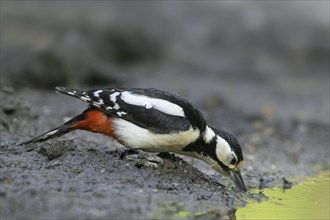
point(307, 200)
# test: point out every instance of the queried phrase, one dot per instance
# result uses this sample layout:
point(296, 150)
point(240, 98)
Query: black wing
point(161, 121)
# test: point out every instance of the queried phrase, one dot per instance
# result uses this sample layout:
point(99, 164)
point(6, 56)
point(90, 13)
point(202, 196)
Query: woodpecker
point(155, 121)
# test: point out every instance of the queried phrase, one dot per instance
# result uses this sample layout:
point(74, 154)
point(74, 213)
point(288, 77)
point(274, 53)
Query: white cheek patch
point(223, 150)
point(147, 102)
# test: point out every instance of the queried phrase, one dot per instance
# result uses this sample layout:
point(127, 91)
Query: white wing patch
point(147, 102)
point(134, 136)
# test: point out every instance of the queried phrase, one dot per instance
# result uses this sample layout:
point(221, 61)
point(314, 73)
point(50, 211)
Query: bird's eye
point(233, 161)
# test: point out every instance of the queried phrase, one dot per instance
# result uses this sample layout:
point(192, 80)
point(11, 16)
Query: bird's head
point(226, 156)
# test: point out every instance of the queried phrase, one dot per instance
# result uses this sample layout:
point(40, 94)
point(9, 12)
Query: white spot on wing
point(147, 102)
point(113, 98)
point(148, 105)
point(121, 113)
point(117, 107)
point(99, 102)
point(97, 93)
point(85, 98)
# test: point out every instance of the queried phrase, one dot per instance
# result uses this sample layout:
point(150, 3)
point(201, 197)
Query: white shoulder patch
point(208, 134)
point(159, 104)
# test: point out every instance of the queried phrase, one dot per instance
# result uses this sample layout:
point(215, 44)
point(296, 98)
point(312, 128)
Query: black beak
point(237, 178)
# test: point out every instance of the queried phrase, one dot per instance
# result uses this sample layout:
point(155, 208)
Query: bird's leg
point(144, 159)
point(141, 158)
point(123, 152)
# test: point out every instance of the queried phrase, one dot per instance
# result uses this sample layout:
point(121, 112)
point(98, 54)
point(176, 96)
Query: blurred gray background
point(255, 56)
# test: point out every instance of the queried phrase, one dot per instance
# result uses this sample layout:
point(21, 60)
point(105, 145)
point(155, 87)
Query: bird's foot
point(123, 152)
point(140, 158)
point(143, 159)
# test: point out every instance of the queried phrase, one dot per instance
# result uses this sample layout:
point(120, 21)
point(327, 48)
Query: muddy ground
point(267, 86)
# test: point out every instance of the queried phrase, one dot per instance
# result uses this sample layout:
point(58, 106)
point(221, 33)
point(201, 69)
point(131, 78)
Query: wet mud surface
point(272, 93)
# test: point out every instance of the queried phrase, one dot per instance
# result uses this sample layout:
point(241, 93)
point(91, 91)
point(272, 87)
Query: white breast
point(134, 136)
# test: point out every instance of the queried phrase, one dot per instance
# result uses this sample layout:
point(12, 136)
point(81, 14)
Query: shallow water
point(307, 200)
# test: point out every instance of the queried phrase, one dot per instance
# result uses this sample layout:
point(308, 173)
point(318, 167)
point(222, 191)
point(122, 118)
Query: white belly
point(136, 137)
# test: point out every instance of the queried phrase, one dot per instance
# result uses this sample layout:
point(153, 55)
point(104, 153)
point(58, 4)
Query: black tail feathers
point(74, 93)
point(57, 132)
